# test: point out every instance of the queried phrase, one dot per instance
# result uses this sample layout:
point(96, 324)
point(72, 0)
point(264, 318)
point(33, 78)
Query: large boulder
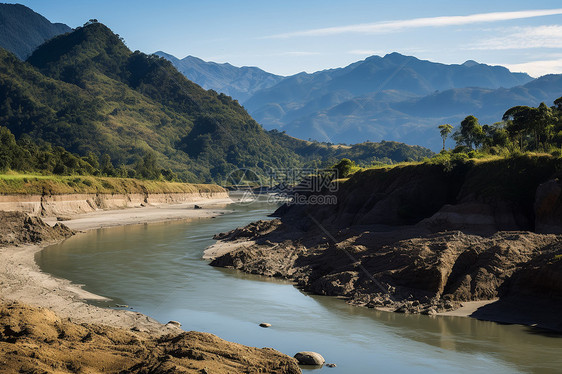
point(310, 358)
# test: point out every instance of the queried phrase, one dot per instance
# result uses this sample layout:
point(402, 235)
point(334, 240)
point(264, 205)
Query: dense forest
point(27, 155)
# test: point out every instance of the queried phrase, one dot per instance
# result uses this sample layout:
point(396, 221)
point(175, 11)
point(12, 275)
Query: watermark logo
point(242, 184)
point(294, 186)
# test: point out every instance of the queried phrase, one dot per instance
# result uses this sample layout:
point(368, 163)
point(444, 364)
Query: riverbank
point(409, 269)
point(22, 281)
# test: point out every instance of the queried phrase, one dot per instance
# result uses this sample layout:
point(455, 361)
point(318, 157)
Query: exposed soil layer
point(17, 228)
point(35, 340)
point(422, 239)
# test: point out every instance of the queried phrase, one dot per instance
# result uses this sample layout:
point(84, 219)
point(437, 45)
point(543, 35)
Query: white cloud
point(537, 68)
point(523, 38)
point(397, 25)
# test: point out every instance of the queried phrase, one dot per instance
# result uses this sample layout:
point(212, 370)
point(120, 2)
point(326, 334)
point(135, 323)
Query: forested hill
point(22, 30)
point(96, 95)
point(86, 91)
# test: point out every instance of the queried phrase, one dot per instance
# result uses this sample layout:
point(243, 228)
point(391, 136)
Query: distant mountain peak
point(22, 30)
point(238, 82)
point(470, 63)
point(398, 57)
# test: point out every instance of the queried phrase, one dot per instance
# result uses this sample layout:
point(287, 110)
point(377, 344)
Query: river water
point(157, 270)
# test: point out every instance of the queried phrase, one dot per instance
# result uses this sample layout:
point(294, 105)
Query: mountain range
point(87, 92)
point(22, 30)
point(239, 82)
point(394, 97)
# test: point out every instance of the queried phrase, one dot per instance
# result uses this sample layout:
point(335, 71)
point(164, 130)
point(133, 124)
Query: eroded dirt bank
point(423, 239)
point(49, 204)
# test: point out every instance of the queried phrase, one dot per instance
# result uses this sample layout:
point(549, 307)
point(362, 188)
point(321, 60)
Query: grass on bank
point(16, 183)
point(513, 176)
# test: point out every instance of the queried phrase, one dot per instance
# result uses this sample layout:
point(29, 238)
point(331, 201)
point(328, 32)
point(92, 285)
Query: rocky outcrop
point(408, 270)
point(36, 340)
point(18, 228)
point(67, 204)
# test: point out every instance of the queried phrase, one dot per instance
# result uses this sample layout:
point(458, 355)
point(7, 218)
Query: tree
point(445, 130)
point(558, 103)
point(470, 133)
point(344, 167)
point(106, 166)
point(528, 122)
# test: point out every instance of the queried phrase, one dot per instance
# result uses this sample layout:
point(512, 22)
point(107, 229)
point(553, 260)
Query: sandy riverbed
point(22, 280)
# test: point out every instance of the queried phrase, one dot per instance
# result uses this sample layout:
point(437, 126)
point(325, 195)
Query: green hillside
point(364, 154)
point(87, 92)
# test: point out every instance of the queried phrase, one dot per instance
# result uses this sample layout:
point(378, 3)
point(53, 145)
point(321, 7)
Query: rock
point(174, 323)
point(197, 207)
point(429, 312)
point(331, 365)
point(265, 325)
point(310, 358)
point(121, 306)
point(62, 218)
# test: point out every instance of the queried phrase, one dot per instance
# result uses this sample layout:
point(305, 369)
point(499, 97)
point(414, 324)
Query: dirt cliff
point(19, 228)
point(421, 238)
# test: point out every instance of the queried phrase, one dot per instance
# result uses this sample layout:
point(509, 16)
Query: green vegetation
point(522, 129)
point(445, 130)
point(135, 114)
point(14, 183)
point(528, 140)
point(88, 93)
point(525, 133)
point(315, 154)
point(25, 155)
point(344, 168)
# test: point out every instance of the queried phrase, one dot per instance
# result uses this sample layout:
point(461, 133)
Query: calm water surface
point(157, 270)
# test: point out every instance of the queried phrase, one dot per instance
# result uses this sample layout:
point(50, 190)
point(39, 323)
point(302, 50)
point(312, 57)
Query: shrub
point(344, 167)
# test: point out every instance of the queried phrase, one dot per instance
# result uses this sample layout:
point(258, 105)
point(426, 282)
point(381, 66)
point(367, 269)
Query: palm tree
point(445, 130)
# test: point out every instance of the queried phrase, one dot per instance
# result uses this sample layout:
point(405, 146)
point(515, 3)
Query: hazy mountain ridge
point(415, 120)
point(22, 30)
point(394, 72)
point(238, 82)
point(362, 101)
point(394, 97)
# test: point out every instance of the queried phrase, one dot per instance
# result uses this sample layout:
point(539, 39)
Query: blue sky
point(287, 37)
